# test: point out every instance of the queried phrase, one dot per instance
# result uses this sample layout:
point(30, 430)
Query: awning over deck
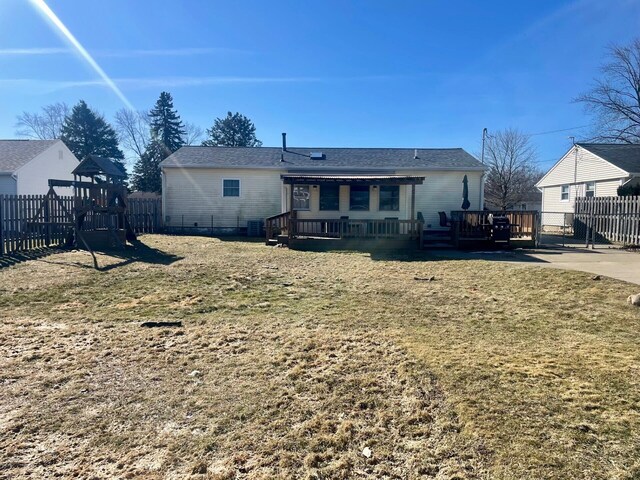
point(299, 179)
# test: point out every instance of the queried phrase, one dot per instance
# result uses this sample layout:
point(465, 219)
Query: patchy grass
point(291, 364)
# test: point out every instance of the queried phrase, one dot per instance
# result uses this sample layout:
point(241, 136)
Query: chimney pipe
point(284, 142)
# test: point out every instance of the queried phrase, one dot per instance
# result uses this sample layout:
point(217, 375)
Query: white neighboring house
point(223, 188)
point(587, 170)
point(27, 165)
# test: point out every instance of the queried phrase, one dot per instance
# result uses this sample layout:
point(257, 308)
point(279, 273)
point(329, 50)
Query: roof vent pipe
point(415, 154)
point(284, 142)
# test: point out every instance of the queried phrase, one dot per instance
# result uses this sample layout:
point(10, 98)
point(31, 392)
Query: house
point(225, 189)
point(27, 165)
point(530, 201)
point(586, 170)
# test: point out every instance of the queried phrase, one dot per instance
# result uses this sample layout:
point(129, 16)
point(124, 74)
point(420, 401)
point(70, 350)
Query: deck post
point(413, 206)
point(293, 215)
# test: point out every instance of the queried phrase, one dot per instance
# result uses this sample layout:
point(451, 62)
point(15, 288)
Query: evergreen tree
point(167, 134)
point(165, 124)
point(146, 171)
point(87, 133)
point(235, 130)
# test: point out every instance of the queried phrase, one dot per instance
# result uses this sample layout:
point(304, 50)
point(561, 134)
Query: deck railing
point(351, 228)
point(277, 224)
point(474, 224)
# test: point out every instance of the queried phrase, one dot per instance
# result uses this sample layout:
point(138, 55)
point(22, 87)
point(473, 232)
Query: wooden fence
point(612, 219)
point(16, 234)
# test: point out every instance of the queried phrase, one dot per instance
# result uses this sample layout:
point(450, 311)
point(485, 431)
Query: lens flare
point(44, 9)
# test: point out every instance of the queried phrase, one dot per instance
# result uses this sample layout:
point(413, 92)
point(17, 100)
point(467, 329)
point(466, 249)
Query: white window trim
point(594, 188)
point(568, 193)
point(239, 188)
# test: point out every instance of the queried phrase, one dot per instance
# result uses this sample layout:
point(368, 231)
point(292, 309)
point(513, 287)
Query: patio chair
point(444, 221)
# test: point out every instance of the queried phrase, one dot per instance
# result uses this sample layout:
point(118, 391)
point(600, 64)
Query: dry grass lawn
point(313, 365)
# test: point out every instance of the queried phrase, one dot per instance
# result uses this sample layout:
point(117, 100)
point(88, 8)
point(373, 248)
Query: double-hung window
point(389, 198)
point(301, 197)
point(330, 197)
point(230, 188)
point(359, 197)
point(590, 189)
point(564, 193)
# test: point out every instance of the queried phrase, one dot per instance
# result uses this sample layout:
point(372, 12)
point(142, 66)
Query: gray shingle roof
point(16, 153)
point(335, 158)
point(624, 156)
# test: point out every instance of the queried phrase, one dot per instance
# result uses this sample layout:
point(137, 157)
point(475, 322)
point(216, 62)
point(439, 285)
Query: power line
point(558, 131)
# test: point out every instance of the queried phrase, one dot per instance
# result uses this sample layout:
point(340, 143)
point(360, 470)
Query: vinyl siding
point(608, 188)
point(441, 191)
point(7, 185)
point(588, 168)
point(57, 162)
point(194, 195)
point(552, 205)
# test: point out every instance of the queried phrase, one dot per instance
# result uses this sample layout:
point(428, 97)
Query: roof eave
point(286, 166)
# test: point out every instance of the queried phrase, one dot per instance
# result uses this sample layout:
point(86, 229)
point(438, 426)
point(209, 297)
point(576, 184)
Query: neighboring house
point(531, 201)
point(27, 165)
point(223, 188)
point(587, 170)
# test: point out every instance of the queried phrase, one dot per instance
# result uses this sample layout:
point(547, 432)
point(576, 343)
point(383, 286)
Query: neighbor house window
point(301, 197)
point(359, 197)
point(230, 188)
point(329, 197)
point(564, 192)
point(590, 189)
point(389, 197)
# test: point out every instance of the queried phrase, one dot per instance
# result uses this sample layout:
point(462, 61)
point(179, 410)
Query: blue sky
point(329, 73)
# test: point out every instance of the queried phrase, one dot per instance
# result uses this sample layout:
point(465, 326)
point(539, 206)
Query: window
point(301, 197)
point(230, 188)
point(359, 197)
point(564, 193)
point(329, 197)
point(590, 189)
point(389, 197)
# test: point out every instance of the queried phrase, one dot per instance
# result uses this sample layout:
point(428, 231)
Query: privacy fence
point(18, 232)
point(607, 219)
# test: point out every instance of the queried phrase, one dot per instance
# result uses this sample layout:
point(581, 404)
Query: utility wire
point(558, 131)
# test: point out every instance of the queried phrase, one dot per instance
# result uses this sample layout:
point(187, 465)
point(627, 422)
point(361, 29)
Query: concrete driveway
point(610, 262)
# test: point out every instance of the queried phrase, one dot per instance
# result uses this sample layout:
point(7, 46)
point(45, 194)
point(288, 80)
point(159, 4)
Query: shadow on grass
point(137, 252)
point(449, 255)
point(20, 257)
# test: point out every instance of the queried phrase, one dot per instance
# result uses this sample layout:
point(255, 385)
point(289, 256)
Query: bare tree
point(615, 99)
point(43, 125)
point(194, 134)
point(133, 130)
point(512, 171)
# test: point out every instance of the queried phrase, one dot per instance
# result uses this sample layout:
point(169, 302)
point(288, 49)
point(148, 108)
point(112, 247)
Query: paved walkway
point(610, 262)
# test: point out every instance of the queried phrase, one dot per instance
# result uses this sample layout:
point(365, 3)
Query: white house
point(587, 170)
point(27, 165)
point(224, 188)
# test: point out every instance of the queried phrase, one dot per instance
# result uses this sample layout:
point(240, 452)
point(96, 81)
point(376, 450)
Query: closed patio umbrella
point(465, 194)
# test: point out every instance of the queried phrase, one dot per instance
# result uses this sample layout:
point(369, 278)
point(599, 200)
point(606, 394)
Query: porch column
point(413, 202)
